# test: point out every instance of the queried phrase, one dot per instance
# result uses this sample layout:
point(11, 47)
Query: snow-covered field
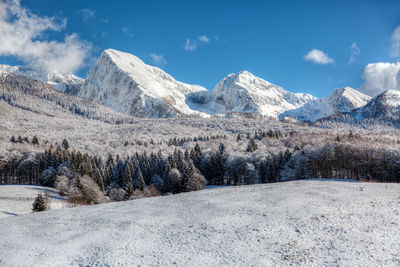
point(17, 199)
point(299, 223)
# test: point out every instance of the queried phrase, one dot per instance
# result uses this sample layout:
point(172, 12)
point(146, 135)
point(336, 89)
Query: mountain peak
point(125, 83)
point(245, 93)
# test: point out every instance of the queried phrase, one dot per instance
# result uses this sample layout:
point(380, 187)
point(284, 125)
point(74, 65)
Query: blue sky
point(268, 38)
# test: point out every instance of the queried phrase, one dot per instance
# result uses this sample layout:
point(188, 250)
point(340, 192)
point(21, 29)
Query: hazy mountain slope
point(125, 83)
point(385, 106)
point(245, 93)
point(68, 83)
point(383, 109)
point(36, 96)
point(292, 223)
point(341, 100)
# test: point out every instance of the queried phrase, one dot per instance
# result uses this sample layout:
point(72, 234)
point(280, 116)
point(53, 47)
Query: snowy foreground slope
point(300, 222)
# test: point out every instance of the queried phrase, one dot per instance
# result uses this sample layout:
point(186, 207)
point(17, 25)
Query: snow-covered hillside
point(245, 93)
point(341, 100)
point(17, 199)
point(292, 223)
point(125, 83)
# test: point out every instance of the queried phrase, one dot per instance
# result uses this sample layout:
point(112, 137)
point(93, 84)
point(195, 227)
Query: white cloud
point(190, 45)
point(354, 51)
point(87, 14)
point(20, 33)
point(318, 57)
point(380, 77)
point(126, 31)
point(395, 49)
point(204, 39)
point(158, 59)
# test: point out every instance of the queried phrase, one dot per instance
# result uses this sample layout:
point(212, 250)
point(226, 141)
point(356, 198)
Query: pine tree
point(65, 144)
point(119, 173)
point(128, 180)
point(141, 183)
point(40, 203)
point(109, 160)
point(186, 174)
point(252, 146)
point(12, 139)
point(108, 175)
point(197, 156)
point(238, 138)
point(217, 165)
point(35, 140)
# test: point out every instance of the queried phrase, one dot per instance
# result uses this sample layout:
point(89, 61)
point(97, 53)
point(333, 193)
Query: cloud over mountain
point(380, 77)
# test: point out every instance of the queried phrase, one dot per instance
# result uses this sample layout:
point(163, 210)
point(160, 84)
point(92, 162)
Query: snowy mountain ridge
point(125, 83)
point(341, 100)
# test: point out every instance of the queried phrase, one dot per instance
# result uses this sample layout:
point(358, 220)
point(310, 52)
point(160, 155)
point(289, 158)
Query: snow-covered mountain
point(125, 83)
point(68, 83)
point(245, 93)
point(341, 100)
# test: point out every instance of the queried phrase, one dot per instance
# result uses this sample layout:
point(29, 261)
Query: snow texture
point(319, 223)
